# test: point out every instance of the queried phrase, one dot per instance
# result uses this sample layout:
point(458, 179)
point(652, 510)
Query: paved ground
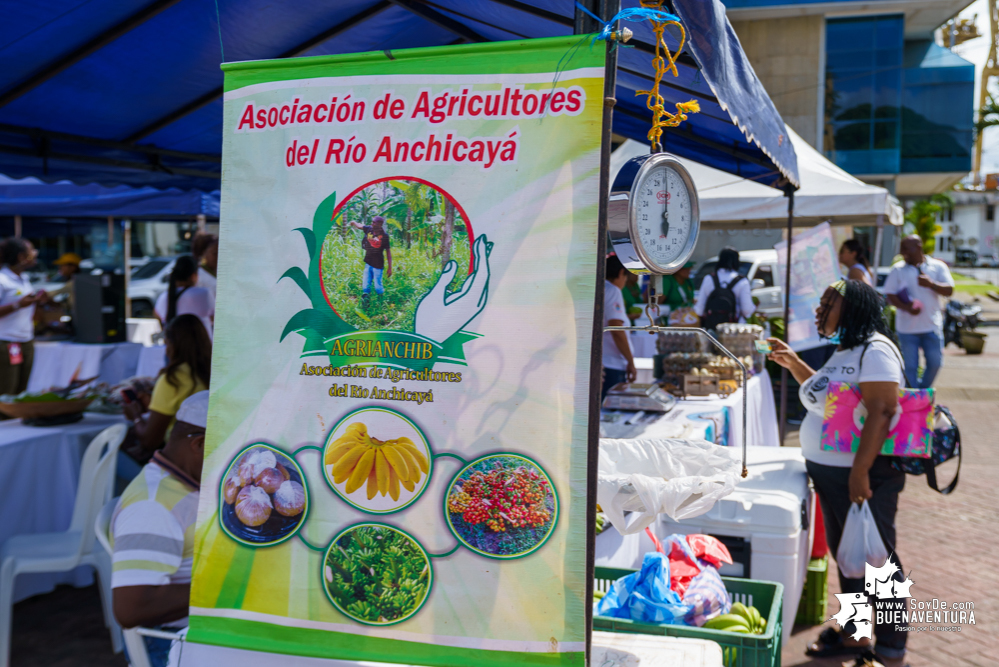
point(950, 543)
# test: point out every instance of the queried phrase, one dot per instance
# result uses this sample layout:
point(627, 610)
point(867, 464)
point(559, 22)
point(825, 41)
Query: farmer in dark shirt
point(375, 245)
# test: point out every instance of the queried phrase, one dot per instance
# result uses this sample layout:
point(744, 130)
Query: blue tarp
point(30, 197)
point(137, 73)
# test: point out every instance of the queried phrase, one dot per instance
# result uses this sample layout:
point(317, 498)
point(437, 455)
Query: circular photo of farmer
point(377, 574)
point(502, 506)
point(391, 242)
point(263, 497)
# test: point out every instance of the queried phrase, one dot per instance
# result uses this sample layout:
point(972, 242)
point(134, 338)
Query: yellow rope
point(660, 117)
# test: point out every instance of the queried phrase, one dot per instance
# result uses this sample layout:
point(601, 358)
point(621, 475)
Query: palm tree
point(922, 219)
point(988, 116)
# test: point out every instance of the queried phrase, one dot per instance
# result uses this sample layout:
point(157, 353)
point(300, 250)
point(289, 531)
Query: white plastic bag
point(861, 543)
point(679, 478)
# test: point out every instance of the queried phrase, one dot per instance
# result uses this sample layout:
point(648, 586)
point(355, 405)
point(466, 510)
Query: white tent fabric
point(827, 193)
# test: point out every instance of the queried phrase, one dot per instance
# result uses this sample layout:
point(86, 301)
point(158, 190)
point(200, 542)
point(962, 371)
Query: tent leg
point(17, 226)
point(878, 243)
point(584, 25)
point(127, 224)
point(787, 313)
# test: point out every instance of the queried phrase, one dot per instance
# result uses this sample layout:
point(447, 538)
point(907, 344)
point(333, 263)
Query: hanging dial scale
point(653, 215)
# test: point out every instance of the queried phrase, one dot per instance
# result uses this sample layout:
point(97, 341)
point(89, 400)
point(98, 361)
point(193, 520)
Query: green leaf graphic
point(298, 275)
point(310, 240)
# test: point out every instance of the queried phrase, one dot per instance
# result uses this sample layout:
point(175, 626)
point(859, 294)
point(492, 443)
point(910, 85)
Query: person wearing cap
point(375, 245)
point(68, 266)
point(152, 532)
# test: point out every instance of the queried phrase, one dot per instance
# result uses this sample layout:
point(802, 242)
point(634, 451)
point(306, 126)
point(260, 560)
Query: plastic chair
point(59, 552)
point(102, 530)
point(132, 637)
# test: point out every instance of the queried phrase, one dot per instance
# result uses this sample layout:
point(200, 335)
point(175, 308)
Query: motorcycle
point(960, 317)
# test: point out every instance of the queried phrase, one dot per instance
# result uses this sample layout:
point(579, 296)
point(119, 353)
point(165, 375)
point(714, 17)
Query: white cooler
point(770, 510)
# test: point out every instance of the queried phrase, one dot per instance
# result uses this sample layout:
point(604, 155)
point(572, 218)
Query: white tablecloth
point(761, 424)
point(39, 471)
point(56, 362)
point(151, 360)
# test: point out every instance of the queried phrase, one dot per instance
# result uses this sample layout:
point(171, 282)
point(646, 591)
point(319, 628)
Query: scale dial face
point(664, 214)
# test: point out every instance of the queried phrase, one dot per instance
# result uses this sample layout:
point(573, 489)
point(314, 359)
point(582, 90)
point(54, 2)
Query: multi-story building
point(968, 229)
point(866, 82)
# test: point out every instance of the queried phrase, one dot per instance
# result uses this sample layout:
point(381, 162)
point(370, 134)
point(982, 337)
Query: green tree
point(921, 219)
point(988, 115)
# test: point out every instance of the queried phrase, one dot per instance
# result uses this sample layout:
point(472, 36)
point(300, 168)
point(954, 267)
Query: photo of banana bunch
point(377, 459)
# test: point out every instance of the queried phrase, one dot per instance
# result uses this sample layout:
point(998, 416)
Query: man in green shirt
point(678, 289)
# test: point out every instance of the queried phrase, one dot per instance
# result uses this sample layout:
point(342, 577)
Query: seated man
point(152, 531)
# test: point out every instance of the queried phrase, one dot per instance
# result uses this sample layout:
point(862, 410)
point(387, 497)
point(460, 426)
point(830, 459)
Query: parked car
point(760, 267)
point(965, 256)
point(147, 283)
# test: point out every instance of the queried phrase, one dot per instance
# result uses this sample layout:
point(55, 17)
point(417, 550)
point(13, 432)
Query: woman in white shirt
point(852, 255)
point(17, 313)
point(183, 296)
point(850, 314)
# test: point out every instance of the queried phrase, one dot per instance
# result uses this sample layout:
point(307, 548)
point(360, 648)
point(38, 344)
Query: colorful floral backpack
point(920, 436)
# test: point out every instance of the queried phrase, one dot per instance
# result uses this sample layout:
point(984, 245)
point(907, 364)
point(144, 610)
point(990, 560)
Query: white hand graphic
point(439, 315)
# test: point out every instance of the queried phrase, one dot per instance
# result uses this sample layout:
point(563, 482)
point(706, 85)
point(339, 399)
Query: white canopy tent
point(827, 193)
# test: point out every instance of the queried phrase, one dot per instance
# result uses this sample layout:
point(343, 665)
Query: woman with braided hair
point(850, 315)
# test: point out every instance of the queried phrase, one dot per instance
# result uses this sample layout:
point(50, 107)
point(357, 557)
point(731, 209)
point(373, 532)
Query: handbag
point(910, 433)
point(946, 445)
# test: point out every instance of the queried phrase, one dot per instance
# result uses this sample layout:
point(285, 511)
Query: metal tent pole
point(787, 312)
point(585, 24)
point(878, 243)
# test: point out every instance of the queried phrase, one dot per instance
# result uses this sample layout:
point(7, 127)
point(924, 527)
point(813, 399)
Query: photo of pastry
point(264, 498)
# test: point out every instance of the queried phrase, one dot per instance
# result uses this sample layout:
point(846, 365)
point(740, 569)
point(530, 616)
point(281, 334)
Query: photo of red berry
point(502, 505)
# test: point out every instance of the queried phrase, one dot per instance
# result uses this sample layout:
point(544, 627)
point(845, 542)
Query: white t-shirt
point(193, 300)
point(743, 293)
point(905, 276)
point(19, 326)
point(614, 310)
point(860, 267)
point(882, 363)
point(207, 280)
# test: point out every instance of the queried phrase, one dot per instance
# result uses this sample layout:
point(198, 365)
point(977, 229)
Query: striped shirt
point(152, 529)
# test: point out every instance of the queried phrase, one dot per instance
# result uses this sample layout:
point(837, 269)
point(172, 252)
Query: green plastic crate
point(738, 650)
point(815, 594)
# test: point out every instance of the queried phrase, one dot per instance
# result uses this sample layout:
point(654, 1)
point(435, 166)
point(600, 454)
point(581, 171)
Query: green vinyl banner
point(395, 467)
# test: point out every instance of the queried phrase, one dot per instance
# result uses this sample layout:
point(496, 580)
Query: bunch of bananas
point(743, 619)
point(357, 457)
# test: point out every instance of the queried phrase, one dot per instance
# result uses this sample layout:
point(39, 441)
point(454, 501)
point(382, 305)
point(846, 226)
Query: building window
point(938, 93)
point(864, 92)
point(990, 212)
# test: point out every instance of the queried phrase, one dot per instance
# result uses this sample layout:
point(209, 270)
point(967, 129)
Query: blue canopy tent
point(31, 197)
point(130, 91)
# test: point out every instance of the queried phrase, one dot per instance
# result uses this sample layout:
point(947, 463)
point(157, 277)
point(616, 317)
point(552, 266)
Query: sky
point(976, 51)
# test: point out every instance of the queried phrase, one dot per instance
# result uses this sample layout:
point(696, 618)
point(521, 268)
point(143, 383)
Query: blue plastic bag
point(645, 596)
